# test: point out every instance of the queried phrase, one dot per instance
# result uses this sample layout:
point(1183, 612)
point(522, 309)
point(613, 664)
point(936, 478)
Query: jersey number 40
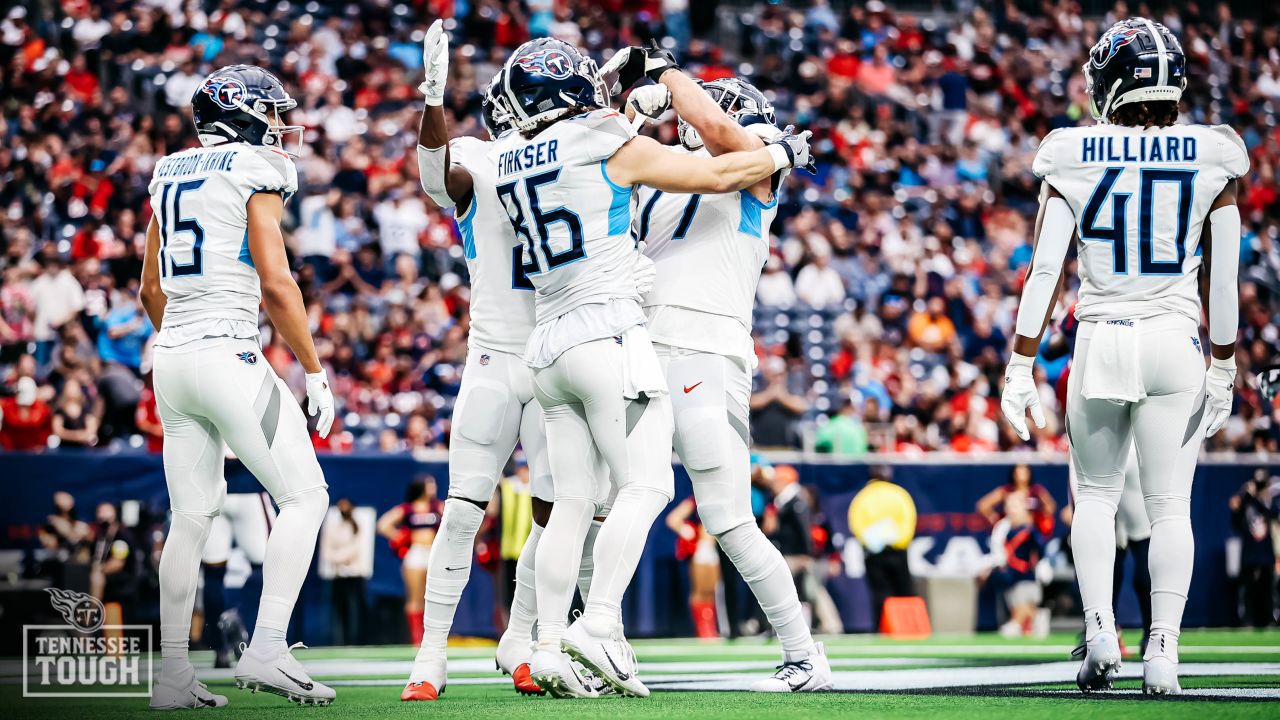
point(538, 257)
point(1117, 232)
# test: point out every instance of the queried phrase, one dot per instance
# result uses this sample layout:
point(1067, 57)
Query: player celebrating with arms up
point(566, 178)
point(1153, 205)
point(214, 252)
point(709, 250)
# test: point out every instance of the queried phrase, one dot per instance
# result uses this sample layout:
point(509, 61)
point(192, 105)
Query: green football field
point(1226, 674)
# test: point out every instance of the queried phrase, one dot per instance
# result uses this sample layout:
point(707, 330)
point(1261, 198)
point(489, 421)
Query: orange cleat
point(420, 691)
point(523, 681)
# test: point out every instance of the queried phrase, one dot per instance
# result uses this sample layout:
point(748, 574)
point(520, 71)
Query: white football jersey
point(1140, 198)
point(573, 222)
point(199, 197)
point(501, 295)
point(708, 250)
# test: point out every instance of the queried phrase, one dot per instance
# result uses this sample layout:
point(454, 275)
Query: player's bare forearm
point(280, 293)
point(152, 296)
point(642, 161)
point(718, 131)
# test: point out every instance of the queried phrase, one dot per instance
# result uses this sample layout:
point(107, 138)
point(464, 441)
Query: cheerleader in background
point(411, 527)
point(695, 544)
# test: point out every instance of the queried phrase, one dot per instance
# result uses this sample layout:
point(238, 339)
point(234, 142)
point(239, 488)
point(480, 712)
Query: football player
point(1152, 205)
point(565, 179)
point(709, 250)
point(496, 406)
point(214, 251)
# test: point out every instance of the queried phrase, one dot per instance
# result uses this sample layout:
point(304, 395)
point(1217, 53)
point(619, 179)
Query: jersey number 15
point(174, 228)
point(1117, 233)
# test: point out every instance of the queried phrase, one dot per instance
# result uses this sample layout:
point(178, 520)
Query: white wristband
point(1019, 360)
point(781, 160)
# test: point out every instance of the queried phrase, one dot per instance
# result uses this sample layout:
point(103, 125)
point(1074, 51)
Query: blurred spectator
point(1017, 546)
point(74, 421)
point(818, 284)
point(794, 540)
point(1253, 510)
point(882, 517)
point(114, 561)
point(843, 435)
point(340, 542)
point(25, 420)
point(71, 533)
point(515, 506)
point(774, 408)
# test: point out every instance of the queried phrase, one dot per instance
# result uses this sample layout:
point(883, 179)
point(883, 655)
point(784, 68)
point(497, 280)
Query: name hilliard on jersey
point(501, 296)
point(1141, 197)
point(199, 197)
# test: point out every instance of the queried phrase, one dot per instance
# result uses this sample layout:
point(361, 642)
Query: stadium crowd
point(885, 311)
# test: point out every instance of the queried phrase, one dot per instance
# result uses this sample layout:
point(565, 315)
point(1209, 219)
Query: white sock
point(769, 578)
point(558, 559)
point(452, 548)
point(288, 560)
point(1170, 559)
point(587, 568)
point(618, 548)
point(1093, 544)
point(524, 604)
point(179, 568)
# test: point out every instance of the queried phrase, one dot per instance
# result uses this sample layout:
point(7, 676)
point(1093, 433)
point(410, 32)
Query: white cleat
point(428, 678)
point(555, 673)
point(610, 657)
point(184, 694)
point(812, 674)
point(282, 675)
point(512, 659)
point(1101, 662)
point(1160, 668)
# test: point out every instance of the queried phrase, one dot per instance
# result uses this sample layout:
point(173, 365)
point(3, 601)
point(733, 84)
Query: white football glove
point(644, 272)
point(1220, 381)
point(320, 400)
point(649, 103)
point(435, 58)
point(1020, 395)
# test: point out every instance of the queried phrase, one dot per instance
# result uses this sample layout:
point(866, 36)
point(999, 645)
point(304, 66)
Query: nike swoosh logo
point(204, 701)
point(801, 685)
point(690, 388)
point(304, 685)
point(617, 670)
point(454, 569)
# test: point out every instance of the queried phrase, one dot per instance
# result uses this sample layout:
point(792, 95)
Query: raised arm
point(642, 161)
point(283, 300)
point(1220, 240)
point(445, 183)
point(153, 298)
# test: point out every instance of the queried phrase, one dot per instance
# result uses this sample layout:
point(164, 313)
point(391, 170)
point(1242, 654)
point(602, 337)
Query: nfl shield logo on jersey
point(249, 357)
point(484, 359)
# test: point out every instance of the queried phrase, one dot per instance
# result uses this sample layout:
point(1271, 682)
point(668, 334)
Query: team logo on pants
point(249, 357)
point(484, 359)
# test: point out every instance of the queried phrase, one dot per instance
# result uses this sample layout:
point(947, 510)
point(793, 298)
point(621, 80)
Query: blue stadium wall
point(656, 603)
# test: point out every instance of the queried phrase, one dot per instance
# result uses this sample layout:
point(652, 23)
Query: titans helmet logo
point(227, 92)
point(554, 64)
point(1111, 43)
point(82, 611)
